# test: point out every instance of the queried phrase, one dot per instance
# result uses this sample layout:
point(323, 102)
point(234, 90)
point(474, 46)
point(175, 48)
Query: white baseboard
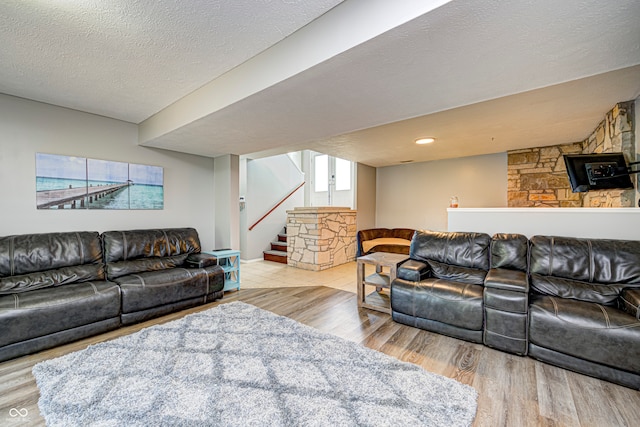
point(247, 261)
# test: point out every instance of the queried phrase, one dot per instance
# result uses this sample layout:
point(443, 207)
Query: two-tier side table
point(229, 260)
point(386, 265)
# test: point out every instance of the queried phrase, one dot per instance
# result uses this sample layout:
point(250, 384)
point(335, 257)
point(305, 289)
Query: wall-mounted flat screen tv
point(597, 171)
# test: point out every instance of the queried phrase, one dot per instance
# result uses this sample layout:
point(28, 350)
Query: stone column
point(320, 237)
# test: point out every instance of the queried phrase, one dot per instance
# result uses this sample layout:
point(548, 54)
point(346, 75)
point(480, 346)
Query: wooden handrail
point(276, 206)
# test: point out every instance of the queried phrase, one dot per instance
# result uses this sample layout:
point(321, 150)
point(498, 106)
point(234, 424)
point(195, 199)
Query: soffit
point(444, 74)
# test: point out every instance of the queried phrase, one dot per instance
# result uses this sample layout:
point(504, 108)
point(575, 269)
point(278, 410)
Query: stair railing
point(276, 206)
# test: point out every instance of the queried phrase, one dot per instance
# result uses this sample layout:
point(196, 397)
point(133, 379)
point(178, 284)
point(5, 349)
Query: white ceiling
point(128, 59)
point(359, 79)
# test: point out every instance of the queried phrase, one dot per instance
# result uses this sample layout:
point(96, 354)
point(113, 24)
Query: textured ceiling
point(461, 54)
point(128, 59)
point(264, 77)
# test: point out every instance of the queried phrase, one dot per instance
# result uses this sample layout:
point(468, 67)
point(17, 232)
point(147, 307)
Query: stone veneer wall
point(537, 176)
point(320, 238)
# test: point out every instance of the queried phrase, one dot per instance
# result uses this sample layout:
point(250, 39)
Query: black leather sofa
point(440, 288)
point(583, 314)
point(56, 288)
point(150, 266)
point(566, 301)
point(53, 290)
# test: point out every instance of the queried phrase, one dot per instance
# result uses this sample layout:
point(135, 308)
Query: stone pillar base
point(319, 238)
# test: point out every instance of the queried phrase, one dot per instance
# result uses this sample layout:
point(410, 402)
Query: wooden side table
point(380, 279)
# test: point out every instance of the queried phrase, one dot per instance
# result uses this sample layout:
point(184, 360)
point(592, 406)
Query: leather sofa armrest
point(200, 260)
point(413, 270)
point(630, 301)
point(507, 280)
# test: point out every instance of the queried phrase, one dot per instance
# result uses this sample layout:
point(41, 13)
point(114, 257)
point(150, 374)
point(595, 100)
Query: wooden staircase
point(278, 251)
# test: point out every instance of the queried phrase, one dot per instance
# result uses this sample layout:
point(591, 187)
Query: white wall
point(243, 212)
point(365, 196)
point(416, 195)
point(268, 181)
point(594, 223)
point(226, 180)
point(28, 127)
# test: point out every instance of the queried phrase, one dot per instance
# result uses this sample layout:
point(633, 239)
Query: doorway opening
point(332, 181)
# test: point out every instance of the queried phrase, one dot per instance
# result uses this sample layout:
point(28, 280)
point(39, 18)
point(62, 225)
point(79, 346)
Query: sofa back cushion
point(385, 233)
point(509, 251)
point(373, 233)
point(594, 270)
point(402, 233)
point(135, 251)
point(463, 257)
point(34, 261)
point(384, 240)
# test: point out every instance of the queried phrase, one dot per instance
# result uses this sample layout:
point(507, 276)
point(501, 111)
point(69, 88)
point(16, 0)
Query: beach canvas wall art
point(67, 182)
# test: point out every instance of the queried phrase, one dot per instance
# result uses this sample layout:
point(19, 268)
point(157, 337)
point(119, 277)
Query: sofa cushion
point(30, 253)
point(587, 260)
point(134, 244)
point(507, 279)
point(137, 251)
point(46, 311)
point(45, 279)
point(470, 250)
point(440, 300)
point(124, 268)
point(34, 261)
point(594, 270)
point(474, 276)
point(509, 251)
point(588, 331)
point(155, 288)
point(575, 289)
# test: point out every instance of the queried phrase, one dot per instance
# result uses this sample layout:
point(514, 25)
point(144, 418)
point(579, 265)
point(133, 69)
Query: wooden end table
point(380, 279)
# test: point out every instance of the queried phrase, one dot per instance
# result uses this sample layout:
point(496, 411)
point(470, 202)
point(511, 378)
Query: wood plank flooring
point(513, 390)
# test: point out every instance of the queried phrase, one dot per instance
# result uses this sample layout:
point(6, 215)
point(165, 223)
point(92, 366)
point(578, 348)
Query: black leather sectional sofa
point(569, 302)
point(60, 287)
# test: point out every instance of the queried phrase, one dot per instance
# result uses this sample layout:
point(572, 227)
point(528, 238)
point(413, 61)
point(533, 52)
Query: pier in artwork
point(76, 197)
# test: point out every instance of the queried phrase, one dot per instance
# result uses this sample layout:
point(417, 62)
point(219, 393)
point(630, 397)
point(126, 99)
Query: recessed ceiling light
point(428, 140)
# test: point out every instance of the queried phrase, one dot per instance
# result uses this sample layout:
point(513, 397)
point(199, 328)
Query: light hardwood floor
point(513, 390)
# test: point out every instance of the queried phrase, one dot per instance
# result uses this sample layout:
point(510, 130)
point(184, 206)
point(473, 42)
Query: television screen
point(597, 171)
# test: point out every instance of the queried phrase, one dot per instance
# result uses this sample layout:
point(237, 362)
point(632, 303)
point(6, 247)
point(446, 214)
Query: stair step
point(282, 237)
point(276, 256)
point(279, 246)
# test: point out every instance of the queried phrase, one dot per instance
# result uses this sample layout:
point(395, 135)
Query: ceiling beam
point(344, 27)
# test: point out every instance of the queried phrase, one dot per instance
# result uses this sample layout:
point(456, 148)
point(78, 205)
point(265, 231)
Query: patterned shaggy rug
point(238, 365)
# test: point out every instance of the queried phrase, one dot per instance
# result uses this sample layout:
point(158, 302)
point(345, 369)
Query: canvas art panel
point(69, 182)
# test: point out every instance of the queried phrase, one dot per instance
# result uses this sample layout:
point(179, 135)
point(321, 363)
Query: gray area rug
point(238, 365)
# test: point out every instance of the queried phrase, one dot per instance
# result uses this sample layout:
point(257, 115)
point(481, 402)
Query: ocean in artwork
point(136, 196)
point(44, 184)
